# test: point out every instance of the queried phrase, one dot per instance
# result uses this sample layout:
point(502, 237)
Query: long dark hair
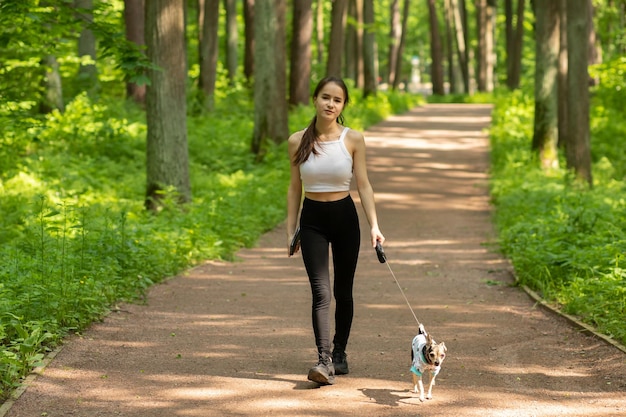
point(310, 137)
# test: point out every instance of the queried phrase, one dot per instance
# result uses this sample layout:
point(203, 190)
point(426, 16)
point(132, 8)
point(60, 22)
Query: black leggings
point(335, 223)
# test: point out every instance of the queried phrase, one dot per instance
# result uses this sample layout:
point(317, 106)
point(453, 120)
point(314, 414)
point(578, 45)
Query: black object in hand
point(295, 241)
point(382, 258)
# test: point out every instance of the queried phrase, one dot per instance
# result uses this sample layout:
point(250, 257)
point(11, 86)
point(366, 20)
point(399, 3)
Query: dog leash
point(382, 258)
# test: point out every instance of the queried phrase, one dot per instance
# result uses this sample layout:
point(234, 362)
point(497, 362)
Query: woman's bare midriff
point(326, 197)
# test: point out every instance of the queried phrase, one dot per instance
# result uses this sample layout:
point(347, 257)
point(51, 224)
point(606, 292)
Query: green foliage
point(76, 236)
point(565, 242)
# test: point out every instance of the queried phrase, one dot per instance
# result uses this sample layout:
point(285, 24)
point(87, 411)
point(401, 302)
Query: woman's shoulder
point(354, 135)
point(296, 136)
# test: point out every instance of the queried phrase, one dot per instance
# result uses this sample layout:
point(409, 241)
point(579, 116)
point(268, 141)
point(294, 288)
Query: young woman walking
point(324, 158)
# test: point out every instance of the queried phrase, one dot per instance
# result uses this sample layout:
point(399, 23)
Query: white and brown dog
point(426, 356)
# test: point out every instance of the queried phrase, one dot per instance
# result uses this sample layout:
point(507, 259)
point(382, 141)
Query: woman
point(324, 157)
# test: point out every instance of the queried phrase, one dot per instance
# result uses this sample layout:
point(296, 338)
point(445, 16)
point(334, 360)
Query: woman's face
point(330, 101)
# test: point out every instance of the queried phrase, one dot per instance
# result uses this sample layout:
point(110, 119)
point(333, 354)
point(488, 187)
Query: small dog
point(426, 355)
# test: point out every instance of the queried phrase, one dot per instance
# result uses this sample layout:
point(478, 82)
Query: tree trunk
point(356, 52)
point(134, 18)
point(231, 39)
point(461, 44)
point(270, 105)
point(248, 58)
point(337, 30)
point(399, 61)
point(545, 133)
point(515, 52)
point(87, 73)
point(562, 77)
point(319, 30)
point(449, 20)
point(208, 46)
point(436, 67)
point(395, 33)
point(350, 45)
point(490, 33)
point(481, 49)
point(370, 74)
point(52, 85)
point(577, 151)
point(167, 158)
point(300, 73)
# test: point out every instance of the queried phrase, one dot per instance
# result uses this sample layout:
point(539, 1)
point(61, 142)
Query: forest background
point(140, 139)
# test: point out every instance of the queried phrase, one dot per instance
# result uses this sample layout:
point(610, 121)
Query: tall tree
point(167, 158)
point(134, 19)
point(449, 21)
point(461, 44)
point(300, 72)
point(87, 72)
point(248, 57)
point(208, 49)
point(545, 136)
point(515, 42)
point(354, 43)
point(52, 85)
point(370, 73)
point(319, 30)
point(485, 19)
point(395, 33)
point(337, 30)
point(231, 39)
point(577, 148)
point(270, 103)
point(405, 18)
point(436, 72)
point(562, 76)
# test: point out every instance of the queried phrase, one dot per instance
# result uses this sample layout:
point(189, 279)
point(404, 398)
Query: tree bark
point(319, 30)
point(300, 73)
point(134, 19)
point(167, 158)
point(208, 46)
point(461, 44)
point(436, 71)
point(515, 52)
point(270, 104)
point(370, 74)
point(399, 61)
point(449, 20)
point(395, 33)
point(87, 73)
point(248, 57)
point(52, 85)
point(232, 38)
point(545, 135)
point(562, 77)
point(337, 30)
point(577, 150)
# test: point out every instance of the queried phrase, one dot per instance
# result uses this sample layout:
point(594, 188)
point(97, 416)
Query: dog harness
point(330, 170)
point(420, 364)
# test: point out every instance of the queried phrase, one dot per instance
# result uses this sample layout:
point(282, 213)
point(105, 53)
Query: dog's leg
point(414, 383)
point(421, 385)
point(430, 387)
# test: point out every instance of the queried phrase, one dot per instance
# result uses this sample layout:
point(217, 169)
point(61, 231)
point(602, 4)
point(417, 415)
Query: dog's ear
point(429, 339)
point(443, 346)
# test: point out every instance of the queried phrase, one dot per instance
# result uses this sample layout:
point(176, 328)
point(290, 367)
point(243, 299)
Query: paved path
point(234, 339)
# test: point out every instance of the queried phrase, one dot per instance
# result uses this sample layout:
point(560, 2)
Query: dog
point(426, 357)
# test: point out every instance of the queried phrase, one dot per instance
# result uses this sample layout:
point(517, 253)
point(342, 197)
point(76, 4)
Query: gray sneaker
point(324, 372)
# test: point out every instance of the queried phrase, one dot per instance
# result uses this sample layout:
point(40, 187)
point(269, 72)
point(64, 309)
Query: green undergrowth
point(75, 237)
point(566, 241)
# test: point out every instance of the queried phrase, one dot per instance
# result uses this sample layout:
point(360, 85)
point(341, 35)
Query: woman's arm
point(356, 145)
point(294, 193)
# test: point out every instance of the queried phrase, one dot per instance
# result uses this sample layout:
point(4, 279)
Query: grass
point(566, 241)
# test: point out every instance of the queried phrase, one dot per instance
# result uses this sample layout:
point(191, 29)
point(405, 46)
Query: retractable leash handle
point(380, 252)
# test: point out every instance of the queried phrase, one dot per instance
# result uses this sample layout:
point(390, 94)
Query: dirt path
point(235, 339)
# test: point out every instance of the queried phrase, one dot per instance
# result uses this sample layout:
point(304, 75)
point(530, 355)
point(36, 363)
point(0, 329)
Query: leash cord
point(382, 258)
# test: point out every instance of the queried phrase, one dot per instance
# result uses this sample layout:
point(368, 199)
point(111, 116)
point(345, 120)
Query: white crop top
point(330, 170)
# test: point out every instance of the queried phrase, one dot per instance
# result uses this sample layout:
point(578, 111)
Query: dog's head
point(434, 352)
